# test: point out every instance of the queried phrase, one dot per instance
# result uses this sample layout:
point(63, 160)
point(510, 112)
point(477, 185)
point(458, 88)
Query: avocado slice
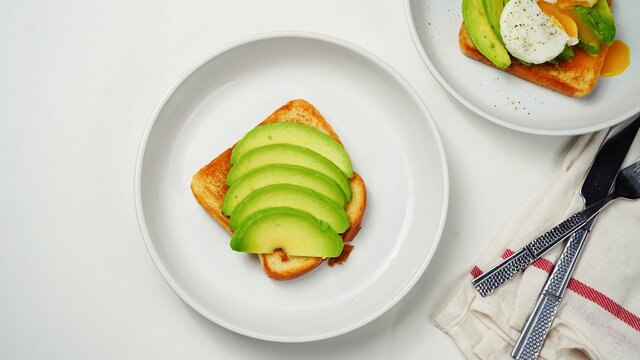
point(290, 155)
point(493, 10)
point(292, 196)
point(281, 174)
point(287, 132)
point(587, 39)
point(566, 54)
point(482, 35)
point(600, 20)
point(294, 231)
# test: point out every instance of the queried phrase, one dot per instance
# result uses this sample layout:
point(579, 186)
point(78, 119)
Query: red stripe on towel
point(581, 289)
point(605, 302)
point(544, 264)
point(475, 272)
point(506, 253)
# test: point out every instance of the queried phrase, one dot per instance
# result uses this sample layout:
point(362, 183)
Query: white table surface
point(79, 81)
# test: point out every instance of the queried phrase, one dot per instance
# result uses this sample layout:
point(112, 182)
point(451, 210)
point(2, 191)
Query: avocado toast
point(284, 173)
point(573, 69)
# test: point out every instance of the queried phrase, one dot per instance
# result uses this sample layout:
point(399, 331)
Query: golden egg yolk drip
point(567, 23)
point(568, 4)
point(617, 59)
point(618, 56)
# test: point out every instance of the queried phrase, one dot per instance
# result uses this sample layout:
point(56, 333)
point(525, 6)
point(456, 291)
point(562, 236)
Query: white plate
point(393, 143)
point(515, 103)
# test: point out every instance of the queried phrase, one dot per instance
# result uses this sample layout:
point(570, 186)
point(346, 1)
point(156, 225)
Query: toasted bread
point(209, 186)
point(575, 77)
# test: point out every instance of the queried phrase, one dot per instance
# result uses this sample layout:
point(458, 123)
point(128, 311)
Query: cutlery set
point(604, 183)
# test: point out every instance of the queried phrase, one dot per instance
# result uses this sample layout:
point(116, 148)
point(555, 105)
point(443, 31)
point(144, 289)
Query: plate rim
point(483, 114)
point(141, 151)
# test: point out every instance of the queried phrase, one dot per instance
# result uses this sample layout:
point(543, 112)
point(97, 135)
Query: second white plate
point(515, 103)
point(390, 137)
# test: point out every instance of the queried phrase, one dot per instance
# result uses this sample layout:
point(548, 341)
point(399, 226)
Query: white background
point(79, 81)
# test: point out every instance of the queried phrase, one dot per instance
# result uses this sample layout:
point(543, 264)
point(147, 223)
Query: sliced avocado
point(287, 132)
point(292, 196)
point(482, 35)
point(600, 19)
point(294, 231)
point(527, 64)
point(587, 39)
point(566, 54)
point(281, 174)
point(493, 10)
point(290, 155)
point(592, 48)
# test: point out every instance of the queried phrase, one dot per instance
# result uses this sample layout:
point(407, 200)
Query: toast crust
point(209, 186)
point(272, 263)
point(576, 77)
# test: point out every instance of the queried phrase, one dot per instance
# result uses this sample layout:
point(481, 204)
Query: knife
point(518, 261)
point(597, 184)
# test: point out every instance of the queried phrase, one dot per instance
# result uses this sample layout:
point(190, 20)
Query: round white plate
point(393, 143)
point(515, 103)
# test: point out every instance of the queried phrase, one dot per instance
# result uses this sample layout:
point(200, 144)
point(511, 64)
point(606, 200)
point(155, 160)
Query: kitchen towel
point(599, 317)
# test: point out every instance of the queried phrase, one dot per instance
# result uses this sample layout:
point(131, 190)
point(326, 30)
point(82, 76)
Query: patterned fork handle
point(518, 261)
point(535, 331)
point(499, 274)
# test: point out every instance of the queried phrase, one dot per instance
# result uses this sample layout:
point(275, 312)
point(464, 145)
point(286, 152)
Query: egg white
point(531, 35)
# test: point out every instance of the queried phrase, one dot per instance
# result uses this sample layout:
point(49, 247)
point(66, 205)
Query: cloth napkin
point(599, 317)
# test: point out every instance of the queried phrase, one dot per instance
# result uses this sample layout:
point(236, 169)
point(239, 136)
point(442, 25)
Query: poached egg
point(531, 34)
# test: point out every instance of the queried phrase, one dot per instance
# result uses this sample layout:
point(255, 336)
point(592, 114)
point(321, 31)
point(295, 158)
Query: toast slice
point(209, 186)
point(575, 77)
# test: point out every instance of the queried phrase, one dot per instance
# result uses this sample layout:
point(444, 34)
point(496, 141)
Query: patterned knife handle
point(499, 274)
point(535, 331)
